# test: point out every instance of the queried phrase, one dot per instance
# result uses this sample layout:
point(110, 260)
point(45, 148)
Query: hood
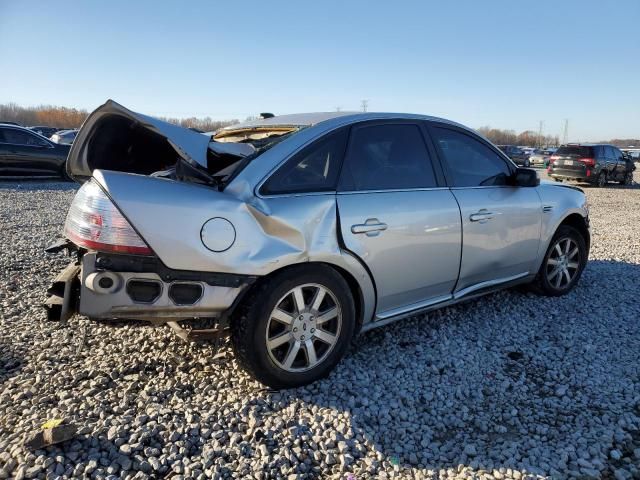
point(116, 138)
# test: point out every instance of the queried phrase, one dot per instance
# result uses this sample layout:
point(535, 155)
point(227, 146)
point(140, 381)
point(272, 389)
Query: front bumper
point(136, 288)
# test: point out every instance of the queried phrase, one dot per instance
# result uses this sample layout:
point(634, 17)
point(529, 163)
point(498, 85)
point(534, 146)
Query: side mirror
point(526, 177)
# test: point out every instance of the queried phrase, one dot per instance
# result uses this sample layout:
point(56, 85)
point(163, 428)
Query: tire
point(546, 282)
point(601, 181)
point(557, 179)
point(527, 164)
point(628, 179)
point(63, 173)
point(270, 312)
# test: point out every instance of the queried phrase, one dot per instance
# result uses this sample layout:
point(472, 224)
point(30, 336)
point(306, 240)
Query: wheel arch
point(578, 222)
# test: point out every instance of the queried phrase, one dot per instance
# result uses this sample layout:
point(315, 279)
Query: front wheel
point(563, 263)
point(628, 179)
point(294, 327)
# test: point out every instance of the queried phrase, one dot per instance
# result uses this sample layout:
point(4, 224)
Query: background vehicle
point(540, 157)
point(64, 137)
point(23, 152)
point(516, 154)
point(44, 130)
point(595, 164)
point(297, 232)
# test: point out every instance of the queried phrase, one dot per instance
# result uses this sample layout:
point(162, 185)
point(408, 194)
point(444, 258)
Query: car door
point(28, 154)
point(500, 223)
point(398, 217)
point(621, 165)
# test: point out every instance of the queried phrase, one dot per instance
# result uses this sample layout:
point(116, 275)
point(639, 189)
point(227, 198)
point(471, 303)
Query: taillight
point(589, 162)
point(94, 222)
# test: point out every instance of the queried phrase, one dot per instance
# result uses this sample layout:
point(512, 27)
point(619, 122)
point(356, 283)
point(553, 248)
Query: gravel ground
point(508, 386)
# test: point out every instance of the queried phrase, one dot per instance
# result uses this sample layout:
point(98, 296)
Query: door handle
point(482, 216)
point(371, 227)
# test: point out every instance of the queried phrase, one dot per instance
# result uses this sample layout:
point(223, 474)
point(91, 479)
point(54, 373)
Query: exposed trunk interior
point(122, 144)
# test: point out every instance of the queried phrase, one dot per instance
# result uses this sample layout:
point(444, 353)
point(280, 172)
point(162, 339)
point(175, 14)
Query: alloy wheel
point(303, 328)
point(563, 263)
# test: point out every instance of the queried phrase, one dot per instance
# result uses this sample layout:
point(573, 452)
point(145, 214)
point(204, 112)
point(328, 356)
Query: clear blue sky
point(507, 64)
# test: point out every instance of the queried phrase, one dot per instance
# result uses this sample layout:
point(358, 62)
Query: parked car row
point(595, 164)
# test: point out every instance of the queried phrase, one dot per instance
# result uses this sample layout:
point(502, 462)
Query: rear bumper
point(140, 291)
point(577, 175)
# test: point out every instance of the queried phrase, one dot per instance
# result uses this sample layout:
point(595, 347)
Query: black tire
point(601, 181)
point(527, 163)
point(557, 179)
point(628, 179)
point(250, 323)
point(542, 284)
point(63, 173)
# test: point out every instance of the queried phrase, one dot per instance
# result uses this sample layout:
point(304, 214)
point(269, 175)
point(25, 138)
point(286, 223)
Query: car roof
point(309, 119)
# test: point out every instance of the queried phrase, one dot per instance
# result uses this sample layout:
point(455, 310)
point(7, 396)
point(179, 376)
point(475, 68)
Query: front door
point(397, 217)
point(500, 223)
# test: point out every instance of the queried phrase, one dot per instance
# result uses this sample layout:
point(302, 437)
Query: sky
point(504, 64)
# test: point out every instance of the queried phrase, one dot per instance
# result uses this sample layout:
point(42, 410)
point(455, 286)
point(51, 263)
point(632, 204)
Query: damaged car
point(292, 234)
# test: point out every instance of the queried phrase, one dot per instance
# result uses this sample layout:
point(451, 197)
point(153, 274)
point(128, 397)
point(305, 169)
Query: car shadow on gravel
point(467, 386)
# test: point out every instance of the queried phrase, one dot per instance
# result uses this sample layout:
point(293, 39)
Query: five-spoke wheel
point(563, 262)
point(294, 326)
point(303, 327)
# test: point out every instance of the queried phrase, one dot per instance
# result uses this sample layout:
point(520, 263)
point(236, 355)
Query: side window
point(18, 137)
point(617, 154)
point(471, 162)
point(314, 169)
point(387, 157)
point(2, 140)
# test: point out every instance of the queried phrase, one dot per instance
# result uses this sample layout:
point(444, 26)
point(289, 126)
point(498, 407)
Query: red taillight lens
point(95, 223)
point(590, 162)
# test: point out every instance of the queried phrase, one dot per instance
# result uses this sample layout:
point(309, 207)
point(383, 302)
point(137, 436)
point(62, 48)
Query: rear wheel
point(602, 180)
point(563, 263)
point(295, 326)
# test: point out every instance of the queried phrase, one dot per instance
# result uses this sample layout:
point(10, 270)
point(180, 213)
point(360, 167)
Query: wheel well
point(356, 292)
point(578, 222)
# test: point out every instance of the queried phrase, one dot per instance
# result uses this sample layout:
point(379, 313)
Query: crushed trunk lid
point(116, 138)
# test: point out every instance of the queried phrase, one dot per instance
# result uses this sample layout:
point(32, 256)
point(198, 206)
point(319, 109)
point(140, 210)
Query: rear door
point(397, 215)
point(500, 223)
point(620, 165)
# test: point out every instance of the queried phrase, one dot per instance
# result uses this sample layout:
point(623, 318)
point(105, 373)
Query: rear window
point(577, 150)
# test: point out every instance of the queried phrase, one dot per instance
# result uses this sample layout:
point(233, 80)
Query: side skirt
point(464, 295)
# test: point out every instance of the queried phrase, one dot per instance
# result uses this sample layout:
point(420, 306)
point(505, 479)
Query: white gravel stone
point(509, 386)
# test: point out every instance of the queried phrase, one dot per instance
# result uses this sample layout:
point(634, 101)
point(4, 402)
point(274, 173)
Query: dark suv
point(596, 164)
point(518, 155)
point(24, 152)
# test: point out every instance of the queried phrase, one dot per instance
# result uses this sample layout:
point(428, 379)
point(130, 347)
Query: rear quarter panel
point(271, 233)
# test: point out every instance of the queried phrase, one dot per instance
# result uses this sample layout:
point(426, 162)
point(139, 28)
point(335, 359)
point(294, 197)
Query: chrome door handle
point(481, 216)
point(371, 227)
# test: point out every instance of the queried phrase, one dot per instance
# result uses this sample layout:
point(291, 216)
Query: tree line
point(63, 117)
point(527, 138)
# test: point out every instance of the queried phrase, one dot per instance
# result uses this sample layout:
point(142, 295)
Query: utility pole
point(565, 132)
point(540, 134)
point(365, 104)
point(338, 109)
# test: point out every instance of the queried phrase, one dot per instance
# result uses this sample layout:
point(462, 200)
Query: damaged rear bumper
point(128, 287)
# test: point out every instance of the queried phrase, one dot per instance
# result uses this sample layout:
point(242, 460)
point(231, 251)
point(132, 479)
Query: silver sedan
point(294, 233)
